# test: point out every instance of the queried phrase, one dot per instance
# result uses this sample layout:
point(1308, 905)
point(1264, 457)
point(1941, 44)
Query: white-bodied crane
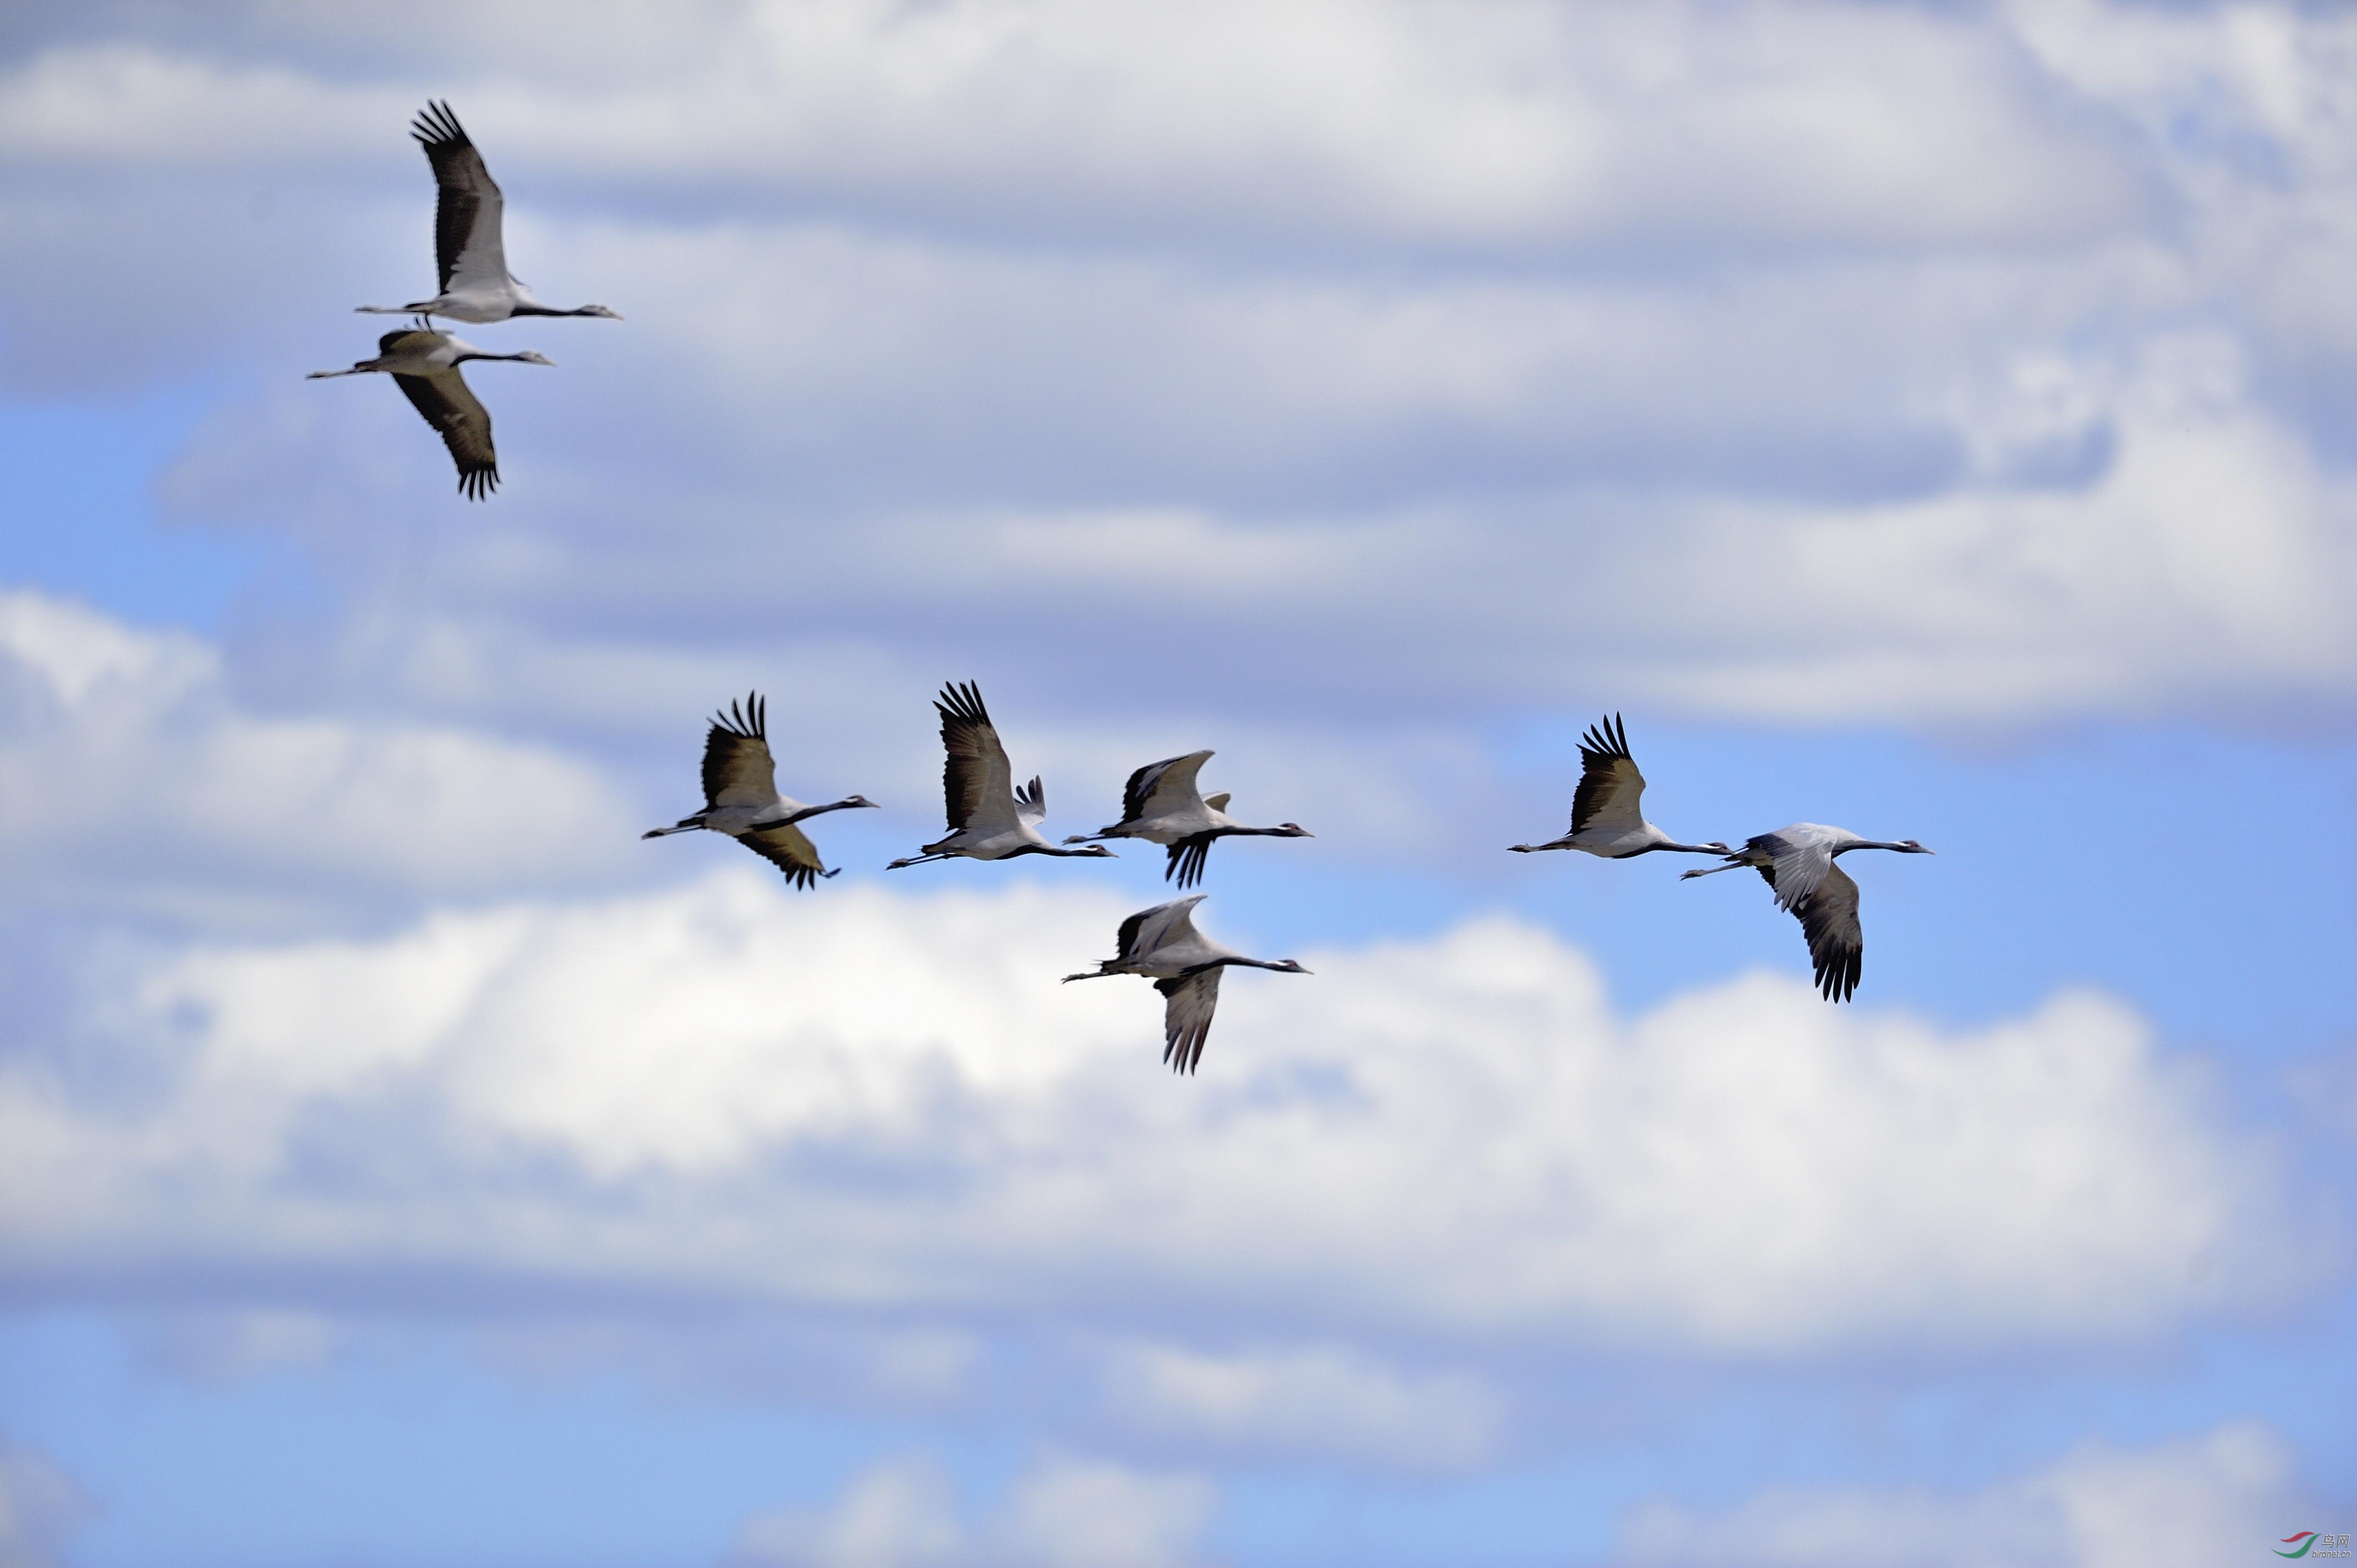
point(741, 799)
point(1163, 945)
point(1798, 864)
point(989, 818)
point(475, 284)
point(424, 364)
point(1162, 805)
point(1605, 818)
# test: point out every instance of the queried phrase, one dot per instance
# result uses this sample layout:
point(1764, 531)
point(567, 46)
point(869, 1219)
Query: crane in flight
point(1798, 865)
point(741, 799)
point(1162, 805)
point(1163, 945)
point(1605, 819)
point(424, 364)
point(473, 257)
point(989, 817)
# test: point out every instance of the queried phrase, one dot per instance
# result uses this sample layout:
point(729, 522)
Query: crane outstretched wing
point(788, 848)
point(1186, 1017)
point(1802, 864)
point(1160, 926)
point(465, 425)
point(977, 785)
point(1610, 784)
point(1836, 942)
point(738, 768)
point(1160, 788)
point(466, 214)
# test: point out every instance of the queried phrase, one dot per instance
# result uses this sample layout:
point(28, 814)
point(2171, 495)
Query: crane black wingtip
point(962, 700)
point(436, 125)
point(1608, 737)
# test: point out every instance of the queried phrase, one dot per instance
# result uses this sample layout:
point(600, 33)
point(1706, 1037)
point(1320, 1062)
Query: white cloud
point(1888, 492)
point(132, 777)
point(1506, 124)
point(869, 1098)
point(1324, 1402)
point(2207, 559)
point(1060, 1513)
point(2223, 1496)
point(40, 1508)
point(1349, 348)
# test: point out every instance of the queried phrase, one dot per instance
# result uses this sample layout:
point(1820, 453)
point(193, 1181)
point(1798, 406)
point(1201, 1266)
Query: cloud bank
point(886, 1102)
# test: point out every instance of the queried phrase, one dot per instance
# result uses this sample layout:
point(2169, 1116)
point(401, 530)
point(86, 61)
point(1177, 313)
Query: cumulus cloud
point(133, 778)
point(2209, 556)
point(1060, 1513)
point(2222, 1497)
point(870, 1099)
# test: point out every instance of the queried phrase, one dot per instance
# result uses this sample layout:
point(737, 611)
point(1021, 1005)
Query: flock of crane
point(476, 287)
point(991, 817)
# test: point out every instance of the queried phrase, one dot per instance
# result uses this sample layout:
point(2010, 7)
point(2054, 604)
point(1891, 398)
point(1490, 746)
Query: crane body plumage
point(469, 252)
point(1161, 944)
point(1162, 804)
point(741, 798)
point(990, 817)
point(1606, 819)
point(1797, 863)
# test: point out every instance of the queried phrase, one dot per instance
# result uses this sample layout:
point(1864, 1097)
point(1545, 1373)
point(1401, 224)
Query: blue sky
point(1928, 419)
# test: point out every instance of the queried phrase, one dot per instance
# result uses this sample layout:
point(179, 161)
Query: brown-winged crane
point(1605, 818)
point(473, 257)
point(1162, 805)
point(424, 364)
point(1163, 945)
point(1798, 865)
point(989, 817)
point(741, 799)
